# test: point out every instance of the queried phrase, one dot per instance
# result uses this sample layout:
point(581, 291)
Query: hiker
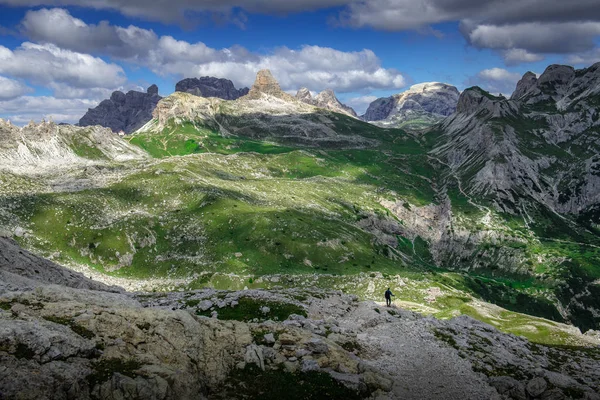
point(388, 297)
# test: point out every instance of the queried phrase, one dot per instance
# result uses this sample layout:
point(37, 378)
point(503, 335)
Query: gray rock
point(317, 346)
point(254, 355)
point(326, 99)
point(205, 305)
point(536, 386)
point(309, 365)
point(123, 112)
point(425, 102)
point(22, 270)
point(269, 338)
point(527, 82)
point(207, 86)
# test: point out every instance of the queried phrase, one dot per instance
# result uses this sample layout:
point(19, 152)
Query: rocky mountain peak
point(556, 79)
point(326, 99)
point(524, 85)
point(208, 86)
point(304, 95)
point(117, 97)
point(152, 90)
point(265, 83)
point(123, 112)
point(473, 100)
point(426, 103)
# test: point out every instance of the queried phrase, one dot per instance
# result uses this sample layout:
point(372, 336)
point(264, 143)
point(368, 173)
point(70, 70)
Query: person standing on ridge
point(388, 297)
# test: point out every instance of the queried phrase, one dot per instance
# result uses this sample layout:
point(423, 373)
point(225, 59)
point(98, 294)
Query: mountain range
point(419, 107)
point(482, 206)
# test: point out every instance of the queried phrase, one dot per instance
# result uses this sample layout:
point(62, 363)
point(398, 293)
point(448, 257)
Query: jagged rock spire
point(265, 83)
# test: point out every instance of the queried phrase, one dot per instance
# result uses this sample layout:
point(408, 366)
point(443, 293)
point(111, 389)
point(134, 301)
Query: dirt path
point(421, 366)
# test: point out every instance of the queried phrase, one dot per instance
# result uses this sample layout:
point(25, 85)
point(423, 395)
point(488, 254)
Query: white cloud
point(10, 89)
point(536, 36)
point(310, 66)
point(518, 29)
point(518, 56)
point(360, 104)
point(496, 80)
point(585, 58)
point(186, 11)
point(45, 64)
point(23, 109)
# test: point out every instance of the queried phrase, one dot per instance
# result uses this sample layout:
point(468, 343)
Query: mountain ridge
point(419, 107)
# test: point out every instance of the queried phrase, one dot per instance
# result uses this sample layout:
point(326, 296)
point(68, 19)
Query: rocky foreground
point(63, 336)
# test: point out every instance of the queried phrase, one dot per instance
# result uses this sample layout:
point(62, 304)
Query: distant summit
point(123, 112)
point(420, 106)
point(266, 84)
point(326, 99)
point(208, 86)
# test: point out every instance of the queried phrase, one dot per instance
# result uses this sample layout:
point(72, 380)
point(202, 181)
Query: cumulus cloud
point(186, 11)
point(45, 64)
point(496, 80)
point(585, 58)
point(23, 109)
point(518, 56)
point(314, 67)
point(536, 37)
point(532, 26)
point(10, 89)
point(360, 104)
point(519, 29)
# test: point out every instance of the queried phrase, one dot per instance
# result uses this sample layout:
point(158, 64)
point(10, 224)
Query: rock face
point(207, 86)
point(123, 112)
point(266, 112)
point(527, 82)
point(418, 107)
point(556, 111)
point(534, 156)
point(36, 147)
point(20, 270)
point(83, 342)
point(326, 99)
point(266, 84)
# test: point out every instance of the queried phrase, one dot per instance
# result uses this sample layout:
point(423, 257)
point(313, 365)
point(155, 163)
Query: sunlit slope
point(263, 187)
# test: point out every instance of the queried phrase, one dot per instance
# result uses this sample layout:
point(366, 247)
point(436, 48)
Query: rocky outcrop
point(123, 112)
point(86, 343)
point(524, 85)
point(50, 146)
point(418, 107)
point(266, 84)
point(266, 113)
point(207, 86)
point(380, 109)
point(326, 99)
point(558, 110)
point(22, 270)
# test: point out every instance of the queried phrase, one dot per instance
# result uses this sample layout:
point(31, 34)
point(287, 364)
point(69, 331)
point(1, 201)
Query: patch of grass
point(249, 309)
point(105, 369)
point(252, 383)
point(78, 329)
point(445, 337)
point(191, 303)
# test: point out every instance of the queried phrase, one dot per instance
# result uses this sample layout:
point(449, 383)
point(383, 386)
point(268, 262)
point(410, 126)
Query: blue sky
point(59, 57)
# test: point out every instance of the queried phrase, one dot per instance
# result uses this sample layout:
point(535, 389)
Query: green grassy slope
point(225, 211)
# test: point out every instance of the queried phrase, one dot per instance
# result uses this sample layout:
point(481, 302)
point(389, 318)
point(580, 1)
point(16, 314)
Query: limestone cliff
point(420, 106)
point(123, 112)
point(326, 99)
point(208, 86)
